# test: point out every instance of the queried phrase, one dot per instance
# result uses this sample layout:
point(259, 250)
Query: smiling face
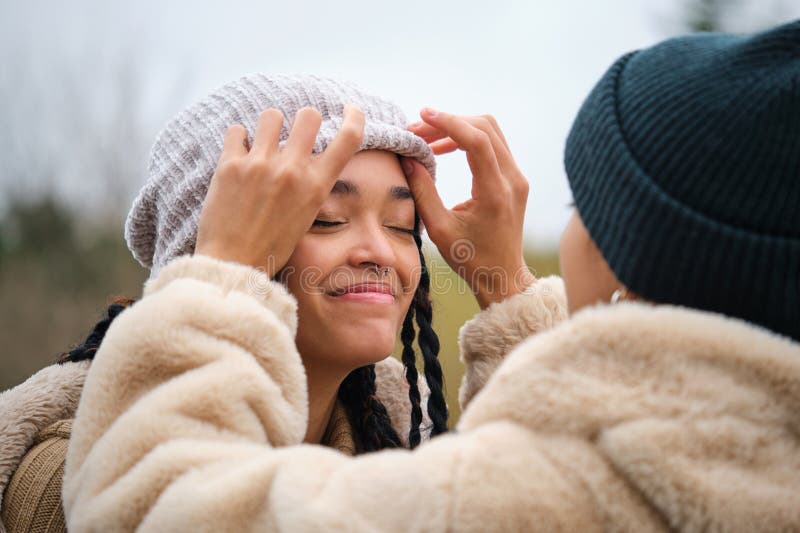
point(349, 315)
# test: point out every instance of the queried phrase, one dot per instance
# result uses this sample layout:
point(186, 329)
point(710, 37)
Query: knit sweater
point(624, 418)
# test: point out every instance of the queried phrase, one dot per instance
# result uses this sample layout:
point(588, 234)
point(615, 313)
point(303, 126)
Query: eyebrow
point(346, 187)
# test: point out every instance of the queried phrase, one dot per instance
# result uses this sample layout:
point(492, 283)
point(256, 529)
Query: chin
point(349, 342)
point(363, 344)
point(347, 354)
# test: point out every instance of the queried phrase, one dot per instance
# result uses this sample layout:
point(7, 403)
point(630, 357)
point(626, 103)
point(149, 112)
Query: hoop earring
point(619, 295)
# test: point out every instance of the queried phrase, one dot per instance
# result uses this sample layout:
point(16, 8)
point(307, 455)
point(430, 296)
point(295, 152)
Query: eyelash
point(330, 224)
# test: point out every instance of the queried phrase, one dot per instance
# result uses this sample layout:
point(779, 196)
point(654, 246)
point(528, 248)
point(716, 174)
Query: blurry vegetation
point(707, 15)
point(736, 16)
point(73, 151)
point(54, 284)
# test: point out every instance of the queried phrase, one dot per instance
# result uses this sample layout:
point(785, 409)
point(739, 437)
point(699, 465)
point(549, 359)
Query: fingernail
point(408, 166)
point(429, 111)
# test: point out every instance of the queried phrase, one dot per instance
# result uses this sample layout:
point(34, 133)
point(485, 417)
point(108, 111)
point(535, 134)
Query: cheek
point(567, 261)
point(305, 268)
point(576, 266)
point(587, 278)
point(409, 271)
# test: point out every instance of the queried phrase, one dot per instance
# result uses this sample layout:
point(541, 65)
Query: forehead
point(372, 173)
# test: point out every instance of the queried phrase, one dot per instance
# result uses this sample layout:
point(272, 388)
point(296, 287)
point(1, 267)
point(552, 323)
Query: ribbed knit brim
point(684, 163)
point(162, 223)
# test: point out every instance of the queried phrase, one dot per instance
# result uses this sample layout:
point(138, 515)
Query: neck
point(323, 387)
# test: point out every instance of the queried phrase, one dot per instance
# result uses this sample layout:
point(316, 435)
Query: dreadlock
point(88, 348)
point(410, 363)
point(428, 343)
point(367, 415)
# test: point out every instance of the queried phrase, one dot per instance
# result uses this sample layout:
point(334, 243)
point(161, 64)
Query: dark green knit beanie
point(684, 163)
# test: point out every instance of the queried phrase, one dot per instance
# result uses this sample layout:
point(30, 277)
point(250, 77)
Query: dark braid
point(367, 414)
point(428, 343)
point(89, 347)
point(409, 360)
point(359, 394)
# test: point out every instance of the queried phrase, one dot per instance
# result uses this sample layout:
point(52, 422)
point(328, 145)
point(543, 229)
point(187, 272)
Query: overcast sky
point(530, 64)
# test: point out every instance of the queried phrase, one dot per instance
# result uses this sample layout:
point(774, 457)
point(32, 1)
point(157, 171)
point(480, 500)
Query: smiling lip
point(366, 293)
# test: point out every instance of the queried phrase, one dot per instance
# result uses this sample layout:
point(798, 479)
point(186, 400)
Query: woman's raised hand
point(481, 238)
point(262, 199)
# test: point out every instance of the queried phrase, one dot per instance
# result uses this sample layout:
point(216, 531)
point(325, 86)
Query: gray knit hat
point(162, 223)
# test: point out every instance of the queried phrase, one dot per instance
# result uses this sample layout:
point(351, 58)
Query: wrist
point(268, 265)
point(496, 289)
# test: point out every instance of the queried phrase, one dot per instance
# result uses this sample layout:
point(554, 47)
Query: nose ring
point(381, 271)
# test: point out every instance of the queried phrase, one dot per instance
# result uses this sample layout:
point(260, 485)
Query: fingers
point(428, 133)
point(506, 161)
point(495, 126)
point(268, 132)
point(444, 146)
point(234, 143)
point(429, 204)
point(487, 177)
point(345, 144)
point(431, 134)
point(303, 134)
point(441, 143)
point(503, 154)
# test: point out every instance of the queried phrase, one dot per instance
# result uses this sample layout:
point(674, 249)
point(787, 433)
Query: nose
point(371, 246)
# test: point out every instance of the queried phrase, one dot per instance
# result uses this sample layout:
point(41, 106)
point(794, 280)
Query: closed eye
point(404, 230)
point(329, 224)
point(325, 223)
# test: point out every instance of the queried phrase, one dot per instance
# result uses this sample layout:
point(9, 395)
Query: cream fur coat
point(623, 418)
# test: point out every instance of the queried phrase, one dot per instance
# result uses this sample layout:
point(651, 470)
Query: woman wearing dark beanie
point(684, 163)
point(678, 409)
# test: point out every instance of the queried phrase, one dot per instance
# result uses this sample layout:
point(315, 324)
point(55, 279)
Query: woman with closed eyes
point(287, 192)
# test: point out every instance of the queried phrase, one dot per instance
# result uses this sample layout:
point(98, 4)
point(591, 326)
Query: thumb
point(429, 204)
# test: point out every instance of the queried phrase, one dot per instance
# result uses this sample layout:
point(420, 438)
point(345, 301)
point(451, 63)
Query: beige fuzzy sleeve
point(206, 355)
point(194, 409)
point(486, 339)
